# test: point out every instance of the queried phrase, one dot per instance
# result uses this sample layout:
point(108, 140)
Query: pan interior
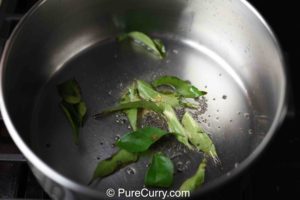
point(103, 71)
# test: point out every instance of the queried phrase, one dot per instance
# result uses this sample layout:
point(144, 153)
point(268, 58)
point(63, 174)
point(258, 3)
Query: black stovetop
point(276, 175)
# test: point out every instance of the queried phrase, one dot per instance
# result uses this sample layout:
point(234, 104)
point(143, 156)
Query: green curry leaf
point(141, 139)
point(114, 163)
point(72, 105)
point(160, 172)
point(73, 118)
point(147, 92)
point(155, 45)
point(198, 137)
point(160, 46)
point(183, 88)
point(131, 96)
point(81, 110)
point(132, 115)
point(125, 106)
point(175, 126)
point(190, 105)
point(196, 180)
point(70, 91)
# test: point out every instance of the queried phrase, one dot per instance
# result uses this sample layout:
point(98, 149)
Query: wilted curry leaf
point(141, 139)
point(183, 88)
point(81, 109)
point(72, 105)
point(131, 96)
point(160, 46)
point(114, 163)
point(156, 46)
point(125, 106)
point(147, 92)
point(196, 180)
point(70, 91)
point(160, 172)
point(198, 137)
point(190, 105)
point(73, 118)
point(175, 126)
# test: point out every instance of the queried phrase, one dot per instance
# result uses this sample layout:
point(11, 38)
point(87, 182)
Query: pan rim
point(71, 185)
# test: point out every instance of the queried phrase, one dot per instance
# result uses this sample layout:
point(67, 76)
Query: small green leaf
point(160, 46)
point(131, 96)
point(190, 105)
point(70, 91)
point(160, 172)
point(156, 46)
point(125, 106)
point(114, 163)
point(73, 118)
point(198, 137)
point(147, 92)
point(81, 109)
point(183, 88)
point(175, 126)
point(196, 180)
point(132, 117)
point(141, 139)
point(72, 105)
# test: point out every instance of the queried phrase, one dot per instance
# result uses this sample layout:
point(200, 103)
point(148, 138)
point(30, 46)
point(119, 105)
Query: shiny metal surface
point(221, 46)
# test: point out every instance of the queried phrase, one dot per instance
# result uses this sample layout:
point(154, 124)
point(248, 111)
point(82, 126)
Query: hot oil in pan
point(103, 71)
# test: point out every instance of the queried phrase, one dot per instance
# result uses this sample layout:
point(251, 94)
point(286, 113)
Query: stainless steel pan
point(222, 46)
